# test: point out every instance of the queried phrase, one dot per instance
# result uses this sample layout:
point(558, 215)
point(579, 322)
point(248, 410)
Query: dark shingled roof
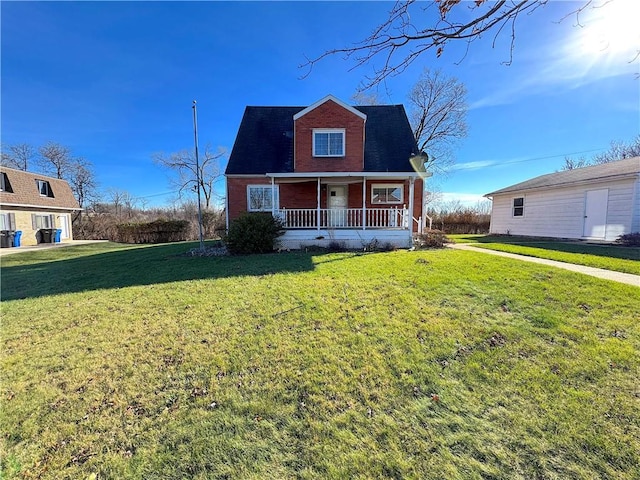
point(265, 140)
point(611, 170)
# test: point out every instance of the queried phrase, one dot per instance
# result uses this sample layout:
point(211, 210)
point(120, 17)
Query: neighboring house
point(330, 171)
point(600, 202)
point(34, 204)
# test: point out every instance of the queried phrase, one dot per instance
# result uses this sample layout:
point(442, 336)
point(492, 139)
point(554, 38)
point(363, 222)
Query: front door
point(337, 202)
point(64, 226)
point(595, 213)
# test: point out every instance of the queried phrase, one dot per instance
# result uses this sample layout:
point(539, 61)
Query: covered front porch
point(354, 209)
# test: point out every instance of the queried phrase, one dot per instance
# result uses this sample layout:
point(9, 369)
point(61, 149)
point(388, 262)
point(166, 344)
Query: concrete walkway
point(627, 278)
point(45, 246)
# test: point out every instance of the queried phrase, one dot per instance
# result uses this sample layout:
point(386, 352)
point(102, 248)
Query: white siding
point(635, 223)
point(559, 212)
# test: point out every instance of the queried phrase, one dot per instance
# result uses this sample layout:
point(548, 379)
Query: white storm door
point(595, 213)
point(64, 226)
point(337, 202)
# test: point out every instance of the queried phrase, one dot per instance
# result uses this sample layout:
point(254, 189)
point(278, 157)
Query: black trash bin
point(6, 238)
point(46, 235)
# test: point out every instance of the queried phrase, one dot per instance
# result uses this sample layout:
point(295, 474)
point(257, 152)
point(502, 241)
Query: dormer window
point(328, 143)
point(5, 186)
point(44, 188)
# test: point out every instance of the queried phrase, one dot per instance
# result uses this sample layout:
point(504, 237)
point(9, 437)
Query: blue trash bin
point(16, 238)
point(58, 234)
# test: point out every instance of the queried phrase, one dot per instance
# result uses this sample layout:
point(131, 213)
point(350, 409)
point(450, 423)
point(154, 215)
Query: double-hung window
point(328, 143)
point(387, 194)
point(42, 221)
point(7, 221)
point(518, 207)
point(262, 198)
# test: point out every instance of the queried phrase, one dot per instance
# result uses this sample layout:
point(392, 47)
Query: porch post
point(318, 205)
point(273, 197)
point(364, 203)
point(411, 188)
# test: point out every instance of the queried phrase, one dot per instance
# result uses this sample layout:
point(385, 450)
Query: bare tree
point(618, 150)
point(183, 163)
point(55, 159)
point(401, 38)
point(19, 156)
point(438, 116)
point(117, 198)
point(82, 182)
point(571, 163)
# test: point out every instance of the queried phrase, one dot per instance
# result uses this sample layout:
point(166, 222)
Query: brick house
point(330, 171)
point(33, 204)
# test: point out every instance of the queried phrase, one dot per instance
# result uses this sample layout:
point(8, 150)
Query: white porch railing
point(397, 218)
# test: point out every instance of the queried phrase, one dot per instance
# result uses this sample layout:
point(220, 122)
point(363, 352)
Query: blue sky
point(114, 81)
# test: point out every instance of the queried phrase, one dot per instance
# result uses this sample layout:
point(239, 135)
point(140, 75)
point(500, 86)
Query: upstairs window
point(44, 188)
point(328, 143)
point(5, 186)
point(518, 207)
point(387, 194)
point(260, 198)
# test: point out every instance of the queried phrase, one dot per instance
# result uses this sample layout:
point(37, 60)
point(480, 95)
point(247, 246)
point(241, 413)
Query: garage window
point(518, 207)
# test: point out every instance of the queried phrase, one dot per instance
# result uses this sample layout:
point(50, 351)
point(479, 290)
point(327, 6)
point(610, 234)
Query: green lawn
point(610, 257)
point(134, 362)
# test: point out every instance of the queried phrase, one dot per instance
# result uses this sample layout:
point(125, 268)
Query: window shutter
point(33, 221)
point(12, 221)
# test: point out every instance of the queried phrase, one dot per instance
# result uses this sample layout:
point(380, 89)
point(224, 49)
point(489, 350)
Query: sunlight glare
point(611, 29)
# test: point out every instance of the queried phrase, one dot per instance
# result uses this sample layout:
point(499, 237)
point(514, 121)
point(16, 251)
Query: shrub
point(159, 231)
point(629, 239)
point(253, 233)
point(430, 239)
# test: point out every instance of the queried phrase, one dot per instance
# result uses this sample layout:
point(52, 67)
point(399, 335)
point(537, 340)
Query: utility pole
point(195, 139)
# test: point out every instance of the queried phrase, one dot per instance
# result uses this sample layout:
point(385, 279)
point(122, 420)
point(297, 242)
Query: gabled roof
point(619, 169)
point(25, 191)
point(264, 143)
point(325, 100)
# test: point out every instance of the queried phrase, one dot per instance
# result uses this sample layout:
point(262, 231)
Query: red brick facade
point(329, 115)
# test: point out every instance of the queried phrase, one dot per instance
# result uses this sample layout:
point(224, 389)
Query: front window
point(260, 198)
point(518, 207)
point(387, 194)
point(42, 221)
point(7, 221)
point(328, 143)
point(44, 188)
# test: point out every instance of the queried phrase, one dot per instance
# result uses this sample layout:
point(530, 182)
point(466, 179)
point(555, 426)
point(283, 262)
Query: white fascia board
point(326, 99)
point(41, 207)
point(555, 186)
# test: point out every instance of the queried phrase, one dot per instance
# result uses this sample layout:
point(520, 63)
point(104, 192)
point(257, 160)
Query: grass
point(133, 362)
point(609, 257)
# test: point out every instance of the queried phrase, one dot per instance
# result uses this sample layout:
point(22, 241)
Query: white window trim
point(513, 207)
point(41, 183)
point(276, 203)
point(329, 130)
point(388, 185)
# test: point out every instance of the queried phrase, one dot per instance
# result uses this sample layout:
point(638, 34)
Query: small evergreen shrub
point(430, 239)
point(629, 239)
point(253, 233)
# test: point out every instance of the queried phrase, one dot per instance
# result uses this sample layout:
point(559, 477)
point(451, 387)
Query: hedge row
point(159, 231)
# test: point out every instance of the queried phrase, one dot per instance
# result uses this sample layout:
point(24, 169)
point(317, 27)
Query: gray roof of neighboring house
point(612, 170)
point(264, 143)
point(24, 191)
